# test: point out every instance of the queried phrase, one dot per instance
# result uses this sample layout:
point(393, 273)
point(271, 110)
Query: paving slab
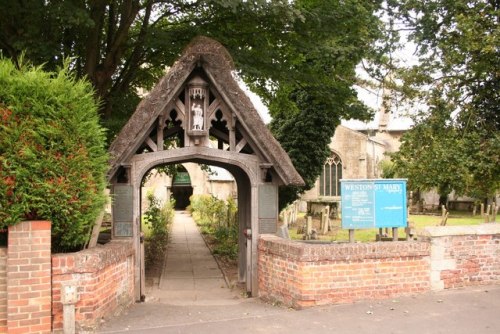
point(190, 274)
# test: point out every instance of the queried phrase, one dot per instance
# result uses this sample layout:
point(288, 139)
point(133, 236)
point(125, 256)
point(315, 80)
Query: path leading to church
point(190, 274)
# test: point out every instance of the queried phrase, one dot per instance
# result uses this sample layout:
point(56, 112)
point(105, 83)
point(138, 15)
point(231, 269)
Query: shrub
point(157, 217)
point(217, 219)
point(52, 156)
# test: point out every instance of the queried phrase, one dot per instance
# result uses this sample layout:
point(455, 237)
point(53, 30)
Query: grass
point(367, 235)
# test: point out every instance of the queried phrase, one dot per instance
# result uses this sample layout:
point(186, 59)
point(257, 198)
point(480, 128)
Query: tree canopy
point(299, 56)
point(455, 143)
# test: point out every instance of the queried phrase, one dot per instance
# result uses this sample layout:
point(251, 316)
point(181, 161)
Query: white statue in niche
point(197, 117)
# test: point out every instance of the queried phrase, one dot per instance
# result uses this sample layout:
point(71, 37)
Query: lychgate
point(198, 113)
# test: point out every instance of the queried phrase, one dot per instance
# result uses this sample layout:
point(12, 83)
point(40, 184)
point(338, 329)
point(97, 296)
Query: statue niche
point(197, 117)
point(197, 104)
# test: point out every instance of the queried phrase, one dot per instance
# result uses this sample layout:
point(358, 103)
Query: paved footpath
point(192, 297)
point(190, 275)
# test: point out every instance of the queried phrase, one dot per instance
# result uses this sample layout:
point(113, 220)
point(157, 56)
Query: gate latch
point(248, 233)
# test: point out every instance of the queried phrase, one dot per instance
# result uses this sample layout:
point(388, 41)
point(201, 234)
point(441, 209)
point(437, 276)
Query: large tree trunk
point(101, 67)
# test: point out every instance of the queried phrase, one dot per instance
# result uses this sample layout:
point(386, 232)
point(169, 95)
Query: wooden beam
point(241, 145)
point(219, 134)
point(96, 230)
point(232, 133)
point(179, 106)
point(159, 133)
point(151, 144)
point(213, 108)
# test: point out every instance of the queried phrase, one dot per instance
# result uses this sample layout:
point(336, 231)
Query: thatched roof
point(217, 63)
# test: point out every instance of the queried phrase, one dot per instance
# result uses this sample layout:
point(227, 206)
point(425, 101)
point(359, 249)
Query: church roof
point(215, 60)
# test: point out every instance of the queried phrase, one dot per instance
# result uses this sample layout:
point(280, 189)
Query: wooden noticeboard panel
point(268, 208)
point(123, 214)
point(373, 203)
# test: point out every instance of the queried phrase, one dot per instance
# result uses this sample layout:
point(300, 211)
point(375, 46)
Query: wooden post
point(494, 210)
point(159, 133)
point(395, 234)
point(482, 209)
point(410, 201)
point(96, 229)
point(143, 269)
point(351, 236)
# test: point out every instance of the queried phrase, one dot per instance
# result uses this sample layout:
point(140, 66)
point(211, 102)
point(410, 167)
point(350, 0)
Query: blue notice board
point(373, 203)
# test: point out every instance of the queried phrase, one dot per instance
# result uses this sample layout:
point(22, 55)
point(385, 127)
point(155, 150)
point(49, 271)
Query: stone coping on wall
point(93, 259)
point(307, 252)
point(443, 231)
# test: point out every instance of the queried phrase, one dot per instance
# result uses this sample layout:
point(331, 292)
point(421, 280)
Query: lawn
point(366, 235)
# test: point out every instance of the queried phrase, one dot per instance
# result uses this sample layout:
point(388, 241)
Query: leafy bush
point(218, 219)
point(157, 217)
point(52, 156)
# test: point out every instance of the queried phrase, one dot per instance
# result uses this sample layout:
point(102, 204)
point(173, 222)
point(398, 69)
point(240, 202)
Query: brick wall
point(302, 275)
point(3, 290)
point(28, 278)
point(104, 277)
point(464, 255)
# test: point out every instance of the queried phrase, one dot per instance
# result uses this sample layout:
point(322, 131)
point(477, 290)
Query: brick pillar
point(3, 290)
point(29, 298)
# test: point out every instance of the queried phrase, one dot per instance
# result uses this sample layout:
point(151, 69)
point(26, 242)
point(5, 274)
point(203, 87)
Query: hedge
point(53, 159)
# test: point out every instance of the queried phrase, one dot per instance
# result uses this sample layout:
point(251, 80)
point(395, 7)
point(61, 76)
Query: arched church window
point(329, 181)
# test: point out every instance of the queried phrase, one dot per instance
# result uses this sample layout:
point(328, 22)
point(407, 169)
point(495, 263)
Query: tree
point(458, 78)
point(306, 112)
point(124, 45)
point(52, 154)
point(299, 56)
point(430, 155)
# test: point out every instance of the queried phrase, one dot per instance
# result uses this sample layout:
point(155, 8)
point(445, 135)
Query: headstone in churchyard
point(309, 225)
point(283, 232)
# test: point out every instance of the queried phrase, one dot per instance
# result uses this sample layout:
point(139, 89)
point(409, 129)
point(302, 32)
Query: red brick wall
point(3, 290)
point(475, 264)
point(28, 278)
point(464, 255)
point(302, 275)
point(104, 277)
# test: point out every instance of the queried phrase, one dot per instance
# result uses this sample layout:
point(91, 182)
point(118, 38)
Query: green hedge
point(52, 156)
point(218, 219)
